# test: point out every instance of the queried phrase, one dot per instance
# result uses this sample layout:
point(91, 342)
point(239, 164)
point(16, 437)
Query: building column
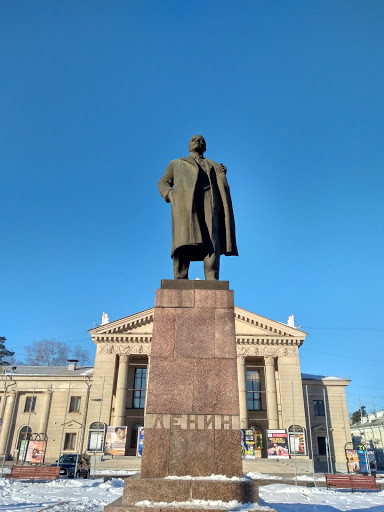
point(270, 382)
point(121, 391)
point(11, 398)
point(45, 412)
point(242, 391)
point(146, 385)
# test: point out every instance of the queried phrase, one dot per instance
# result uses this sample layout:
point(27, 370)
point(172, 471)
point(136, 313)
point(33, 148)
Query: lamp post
point(4, 374)
point(98, 424)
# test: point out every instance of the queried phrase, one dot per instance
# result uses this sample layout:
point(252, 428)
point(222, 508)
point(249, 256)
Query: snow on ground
point(291, 498)
point(92, 495)
point(81, 495)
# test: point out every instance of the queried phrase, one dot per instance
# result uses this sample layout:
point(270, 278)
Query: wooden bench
point(353, 482)
point(35, 472)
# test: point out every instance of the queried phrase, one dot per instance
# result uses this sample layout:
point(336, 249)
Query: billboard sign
point(35, 452)
point(247, 444)
point(115, 441)
point(277, 444)
point(140, 440)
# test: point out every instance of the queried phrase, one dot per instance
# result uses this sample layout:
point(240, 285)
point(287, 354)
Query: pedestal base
point(167, 494)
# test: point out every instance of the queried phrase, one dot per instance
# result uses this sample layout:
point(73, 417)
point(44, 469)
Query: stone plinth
point(192, 412)
point(192, 423)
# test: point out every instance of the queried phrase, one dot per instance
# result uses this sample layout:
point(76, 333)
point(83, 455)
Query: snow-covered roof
point(49, 371)
point(310, 376)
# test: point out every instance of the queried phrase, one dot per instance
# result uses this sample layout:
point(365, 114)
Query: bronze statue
point(203, 226)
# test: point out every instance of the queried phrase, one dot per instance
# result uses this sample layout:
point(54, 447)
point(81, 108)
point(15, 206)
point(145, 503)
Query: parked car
point(68, 467)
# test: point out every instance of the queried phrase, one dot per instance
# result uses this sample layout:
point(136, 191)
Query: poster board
point(297, 443)
point(277, 444)
point(35, 452)
point(247, 444)
point(115, 441)
point(23, 450)
point(352, 461)
point(363, 459)
point(140, 440)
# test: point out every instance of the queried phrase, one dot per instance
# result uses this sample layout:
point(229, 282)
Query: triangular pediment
point(139, 323)
point(251, 324)
point(320, 428)
point(247, 325)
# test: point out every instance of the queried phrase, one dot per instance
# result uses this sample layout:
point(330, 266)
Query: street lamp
point(98, 424)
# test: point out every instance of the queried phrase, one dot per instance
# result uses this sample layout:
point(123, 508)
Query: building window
point(30, 403)
point(24, 435)
point(139, 388)
point(96, 436)
point(253, 390)
point(318, 406)
point(258, 436)
point(74, 405)
point(70, 441)
point(322, 446)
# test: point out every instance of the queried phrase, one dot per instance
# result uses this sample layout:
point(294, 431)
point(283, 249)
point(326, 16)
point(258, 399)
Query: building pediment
point(251, 329)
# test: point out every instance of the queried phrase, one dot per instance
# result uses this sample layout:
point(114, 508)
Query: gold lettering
point(158, 423)
point(191, 421)
point(208, 420)
point(176, 422)
point(226, 422)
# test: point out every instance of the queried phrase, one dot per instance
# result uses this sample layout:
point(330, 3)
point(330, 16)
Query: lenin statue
point(203, 226)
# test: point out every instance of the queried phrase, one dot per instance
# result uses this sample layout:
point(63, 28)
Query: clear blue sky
point(97, 97)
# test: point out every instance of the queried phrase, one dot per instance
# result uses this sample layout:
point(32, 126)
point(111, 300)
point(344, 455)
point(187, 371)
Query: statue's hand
point(222, 168)
point(169, 196)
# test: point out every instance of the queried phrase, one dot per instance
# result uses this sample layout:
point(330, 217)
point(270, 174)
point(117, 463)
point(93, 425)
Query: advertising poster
point(247, 444)
point(297, 443)
point(353, 461)
point(115, 441)
point(22, 450)
point(35, 452)
point(140, 439)
point(277, 446)
point(372, 461)
point(363, 461)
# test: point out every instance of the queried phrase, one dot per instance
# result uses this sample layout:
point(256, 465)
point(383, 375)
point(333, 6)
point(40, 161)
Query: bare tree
point(82, 355)
point(47, 353)
point(55, 353)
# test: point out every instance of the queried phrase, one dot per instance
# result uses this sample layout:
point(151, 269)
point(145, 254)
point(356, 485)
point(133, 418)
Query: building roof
point(309, 376)
point(49, 371)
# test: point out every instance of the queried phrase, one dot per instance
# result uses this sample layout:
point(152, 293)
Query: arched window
point(134, 432)
point(258, 436)
point(24, 434)
point(96, 436)
point(297, 440)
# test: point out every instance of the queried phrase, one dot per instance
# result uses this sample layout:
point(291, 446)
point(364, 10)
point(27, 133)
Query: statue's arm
point(166, 182)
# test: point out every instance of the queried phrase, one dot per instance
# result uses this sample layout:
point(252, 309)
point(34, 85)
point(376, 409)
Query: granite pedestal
point(192, 424)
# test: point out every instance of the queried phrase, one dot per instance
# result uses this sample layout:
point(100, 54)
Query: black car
point(73, 465)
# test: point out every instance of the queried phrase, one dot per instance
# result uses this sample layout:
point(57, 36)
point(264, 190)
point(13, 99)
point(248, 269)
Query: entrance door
point(258, 440)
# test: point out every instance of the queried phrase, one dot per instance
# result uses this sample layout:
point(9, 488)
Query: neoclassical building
point(72, 406)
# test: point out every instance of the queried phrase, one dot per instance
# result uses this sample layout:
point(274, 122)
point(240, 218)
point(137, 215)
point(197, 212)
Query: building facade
point(72, 406)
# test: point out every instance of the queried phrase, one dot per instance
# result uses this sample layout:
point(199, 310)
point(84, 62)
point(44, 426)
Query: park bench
point(353, 482)
point(35, 472)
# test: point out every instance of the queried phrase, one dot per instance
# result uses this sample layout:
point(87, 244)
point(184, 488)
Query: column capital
point(241, 359)
point(269, 360)
point(124, 358)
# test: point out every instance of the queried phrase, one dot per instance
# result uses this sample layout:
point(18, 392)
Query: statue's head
point(197, 143)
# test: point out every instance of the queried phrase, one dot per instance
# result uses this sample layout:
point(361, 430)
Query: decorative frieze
point(125, 349)
point(264, 351)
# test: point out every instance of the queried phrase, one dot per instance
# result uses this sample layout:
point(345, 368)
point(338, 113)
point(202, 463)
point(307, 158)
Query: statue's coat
point(182, 175)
